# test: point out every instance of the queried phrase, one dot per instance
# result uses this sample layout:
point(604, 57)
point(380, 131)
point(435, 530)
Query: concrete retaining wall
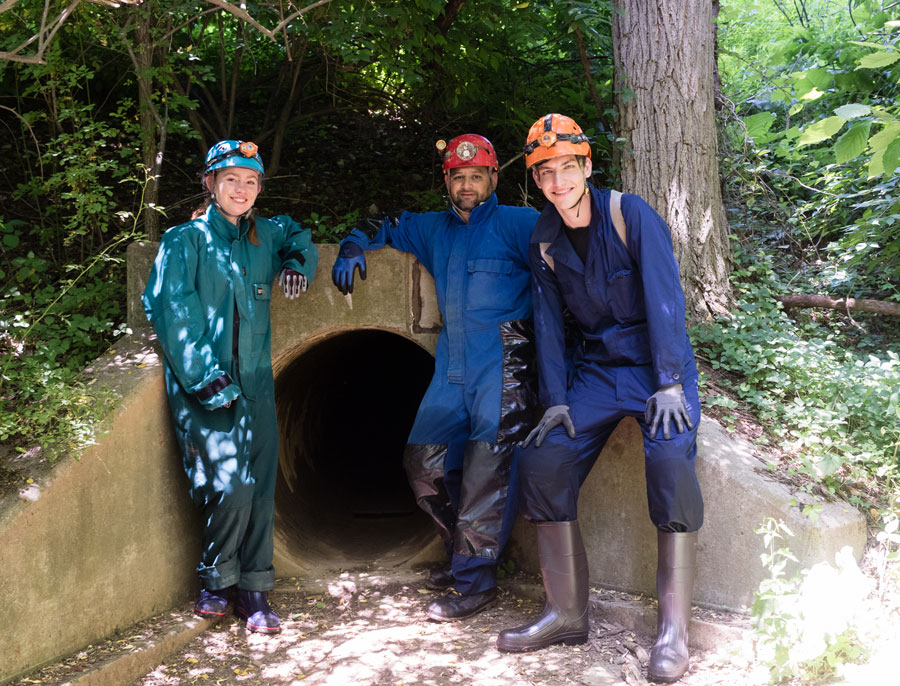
point(103, 541)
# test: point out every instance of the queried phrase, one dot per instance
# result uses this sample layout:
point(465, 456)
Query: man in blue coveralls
point(608, 258)
point(459, 454)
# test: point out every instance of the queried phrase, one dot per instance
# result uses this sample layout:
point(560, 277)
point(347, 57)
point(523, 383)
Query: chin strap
point(578, 202)
point(240, 217)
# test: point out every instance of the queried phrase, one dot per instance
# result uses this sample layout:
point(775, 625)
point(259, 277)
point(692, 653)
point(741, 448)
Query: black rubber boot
point(213, 603)
point(674, 585)
point(254, 607)
point(439, 578)
point(565, 571)
point(455, 605)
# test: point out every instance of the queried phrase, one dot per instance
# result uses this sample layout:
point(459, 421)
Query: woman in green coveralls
point(208, 299)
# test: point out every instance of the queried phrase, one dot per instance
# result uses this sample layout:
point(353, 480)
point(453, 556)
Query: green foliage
point(327, 230)
point(836, 410)
point(823, 128)
point(51, 330)
point(805, 624)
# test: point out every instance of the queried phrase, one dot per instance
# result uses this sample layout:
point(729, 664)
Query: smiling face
point(235, 189)
point(469, 187)
point(562, 180)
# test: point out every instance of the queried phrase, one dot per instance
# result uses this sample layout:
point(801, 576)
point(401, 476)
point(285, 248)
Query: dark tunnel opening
point(345, 408)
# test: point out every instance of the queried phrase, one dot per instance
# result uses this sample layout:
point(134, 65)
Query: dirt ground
point(379, 635)
point(370, 629)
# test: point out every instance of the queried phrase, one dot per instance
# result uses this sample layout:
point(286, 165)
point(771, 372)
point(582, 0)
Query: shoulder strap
point(547, 258)
point(615, 212)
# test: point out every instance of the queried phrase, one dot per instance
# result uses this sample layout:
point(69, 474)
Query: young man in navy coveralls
point(634, 359)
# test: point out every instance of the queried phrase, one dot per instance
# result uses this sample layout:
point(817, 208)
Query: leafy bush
point(836, 410)
point(806, 624)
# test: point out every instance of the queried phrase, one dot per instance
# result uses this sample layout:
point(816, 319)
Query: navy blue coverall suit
point(481, 399)
point(208, 299)
point(629, 308)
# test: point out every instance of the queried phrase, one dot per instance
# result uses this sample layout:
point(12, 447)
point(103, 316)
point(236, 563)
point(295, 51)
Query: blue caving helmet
point(233, 154)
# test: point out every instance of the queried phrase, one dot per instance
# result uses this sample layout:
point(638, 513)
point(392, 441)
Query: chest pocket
point(624, 291)
point(488, 284)
point(261, 295)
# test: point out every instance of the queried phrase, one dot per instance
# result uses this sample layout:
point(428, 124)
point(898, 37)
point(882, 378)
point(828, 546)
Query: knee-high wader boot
point(424, 465)
point(565, 572)
point(674, 585)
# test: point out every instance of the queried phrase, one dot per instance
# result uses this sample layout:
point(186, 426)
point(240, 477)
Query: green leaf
point(867, 44)
point(758, 124)
point(881, 140)
point(875, 60)
point(796, 107)
point(11, 240)
point(853, 142)
point(892, 157)
point(814, 94)
point(876, 164)
point(821, 130)
point(852, 111)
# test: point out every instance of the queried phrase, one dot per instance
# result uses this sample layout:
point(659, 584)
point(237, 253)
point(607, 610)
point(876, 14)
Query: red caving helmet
point(468, 150)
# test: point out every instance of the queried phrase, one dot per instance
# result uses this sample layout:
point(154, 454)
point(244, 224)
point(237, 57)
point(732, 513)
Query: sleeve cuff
point(210, 389)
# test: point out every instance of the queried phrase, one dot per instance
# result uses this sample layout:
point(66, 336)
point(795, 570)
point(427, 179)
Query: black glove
point(664, 406)
point(554, 416)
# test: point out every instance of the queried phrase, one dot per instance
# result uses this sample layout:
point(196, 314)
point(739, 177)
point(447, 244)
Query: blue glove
point(554, 416)
point(350, 257)
point(667, 405)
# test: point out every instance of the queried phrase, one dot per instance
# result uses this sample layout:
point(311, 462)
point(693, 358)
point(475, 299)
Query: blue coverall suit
point(208, 299)
point(629, 308)
point(481, 399)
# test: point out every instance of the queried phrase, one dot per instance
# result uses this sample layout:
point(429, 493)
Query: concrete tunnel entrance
point(345, 408)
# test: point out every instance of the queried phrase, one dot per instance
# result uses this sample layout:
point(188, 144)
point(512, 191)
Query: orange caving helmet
point(554, 135)
point(468, 150)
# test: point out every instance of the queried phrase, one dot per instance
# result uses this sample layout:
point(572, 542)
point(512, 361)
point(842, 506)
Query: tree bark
point(151, 151)
point(876, 306)
point(663, 51)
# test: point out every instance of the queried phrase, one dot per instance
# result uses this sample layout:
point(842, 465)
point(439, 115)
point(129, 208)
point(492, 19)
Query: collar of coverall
point(550, 224)
point(222, 226)
point(479, 213)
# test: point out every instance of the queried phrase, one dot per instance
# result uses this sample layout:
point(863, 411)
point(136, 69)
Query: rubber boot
point(565, 572)
point(213, 603)
point(674, 586)
point(253, 606)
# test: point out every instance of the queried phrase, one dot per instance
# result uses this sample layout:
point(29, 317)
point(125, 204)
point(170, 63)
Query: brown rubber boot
point(565, 572)
point(674, 585)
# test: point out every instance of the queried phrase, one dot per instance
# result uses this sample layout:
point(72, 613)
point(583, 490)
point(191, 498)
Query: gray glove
point(664, 406)
point(554, 416)
point(294, 283)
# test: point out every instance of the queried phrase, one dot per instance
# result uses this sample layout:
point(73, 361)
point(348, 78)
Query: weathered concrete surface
point(101, 542)
point(621, 541)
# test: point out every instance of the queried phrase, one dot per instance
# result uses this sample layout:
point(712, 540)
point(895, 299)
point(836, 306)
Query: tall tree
point(664, 57)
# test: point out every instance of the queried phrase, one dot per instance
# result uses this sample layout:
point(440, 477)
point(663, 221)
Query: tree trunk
point(150, 150)
point(663, 51)
point(876, 306)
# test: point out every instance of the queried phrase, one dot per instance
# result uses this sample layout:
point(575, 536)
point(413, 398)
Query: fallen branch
point(877, 306)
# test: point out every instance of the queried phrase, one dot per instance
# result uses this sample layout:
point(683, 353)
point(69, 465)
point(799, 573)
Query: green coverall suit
point(208, 299)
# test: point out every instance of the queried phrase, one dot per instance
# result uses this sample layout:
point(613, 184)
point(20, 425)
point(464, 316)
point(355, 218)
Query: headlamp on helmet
point(231, 153)
point(468, 150)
